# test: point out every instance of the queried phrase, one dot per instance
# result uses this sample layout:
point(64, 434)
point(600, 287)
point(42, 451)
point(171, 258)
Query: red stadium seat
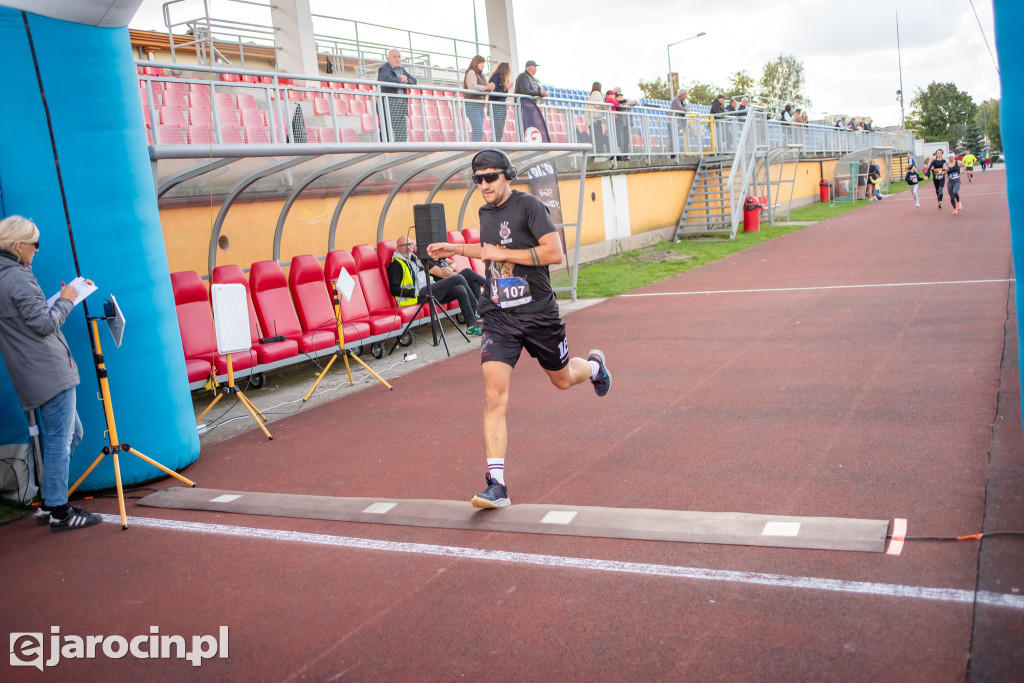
point(200, 135)
point(369, 122)
point(358, 321)
point(253, 117)
point(275, 311)
point(231, 135)
point(460, 262)
point(472, 236)
point(230, 78)
point(247, 101)
point(172, 116)
point(257, 134)
point(313, 303)
point(375, 285)
point(171, 135)
point(328, 134)
point(321, 107)
point(265, 352)
point(195, 320)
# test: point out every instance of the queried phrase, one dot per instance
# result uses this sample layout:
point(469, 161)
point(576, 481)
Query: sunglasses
point(34, 244)
point(486, 177)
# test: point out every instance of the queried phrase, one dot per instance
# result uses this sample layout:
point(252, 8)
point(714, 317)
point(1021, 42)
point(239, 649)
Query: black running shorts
point(542, 334)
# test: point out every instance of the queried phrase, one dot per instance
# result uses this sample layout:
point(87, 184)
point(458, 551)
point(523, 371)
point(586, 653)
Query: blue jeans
point(475, 114)
point(61, 432)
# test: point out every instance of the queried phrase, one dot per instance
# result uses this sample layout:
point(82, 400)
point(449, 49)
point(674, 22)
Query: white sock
point(595, 368)
point(496, 466)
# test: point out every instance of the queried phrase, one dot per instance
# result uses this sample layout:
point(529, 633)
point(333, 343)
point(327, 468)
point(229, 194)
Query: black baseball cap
point(490, 158)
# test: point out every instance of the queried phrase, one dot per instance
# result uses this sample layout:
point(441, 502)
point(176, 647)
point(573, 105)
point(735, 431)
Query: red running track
point(857, 368)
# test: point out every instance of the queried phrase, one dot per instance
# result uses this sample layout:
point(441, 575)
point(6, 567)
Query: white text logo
point(27, 648)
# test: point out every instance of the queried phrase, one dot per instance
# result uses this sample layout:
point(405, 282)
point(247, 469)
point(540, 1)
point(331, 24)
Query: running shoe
point(959, 206)
point(42, 516)
point(77, 519)
point(496, 495)
point(940, 206)
point(954, 211)
point(473, 331)
point(603, 382)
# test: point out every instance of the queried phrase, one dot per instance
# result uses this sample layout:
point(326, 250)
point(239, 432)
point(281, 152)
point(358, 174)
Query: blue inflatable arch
point(88, 78)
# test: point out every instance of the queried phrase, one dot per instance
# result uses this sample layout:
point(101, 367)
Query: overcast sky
point(848, 48)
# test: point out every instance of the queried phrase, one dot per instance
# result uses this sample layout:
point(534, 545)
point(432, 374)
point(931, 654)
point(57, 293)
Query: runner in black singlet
point(953, 170)
point(938, 170)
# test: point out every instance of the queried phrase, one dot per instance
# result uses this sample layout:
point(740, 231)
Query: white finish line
point(949, 595)
point(815, 289)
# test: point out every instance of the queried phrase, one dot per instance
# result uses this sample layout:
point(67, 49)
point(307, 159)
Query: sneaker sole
point(599, 354)
point(479, 502)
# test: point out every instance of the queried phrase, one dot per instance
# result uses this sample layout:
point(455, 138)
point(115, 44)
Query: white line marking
point(226, 498)
point(812, 289)
point(781, 529)
point(558, 517)
point(951, 595)
point(379, 508)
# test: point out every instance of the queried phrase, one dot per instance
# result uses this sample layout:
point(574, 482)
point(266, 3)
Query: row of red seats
point(298, 307)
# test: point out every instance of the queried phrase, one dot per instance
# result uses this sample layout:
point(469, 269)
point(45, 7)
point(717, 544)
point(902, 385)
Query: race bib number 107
point(509, 292)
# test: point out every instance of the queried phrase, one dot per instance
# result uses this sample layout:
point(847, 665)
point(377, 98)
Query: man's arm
point(547, 253)
point(385, 73)
point(440, 250)
point(410, 79)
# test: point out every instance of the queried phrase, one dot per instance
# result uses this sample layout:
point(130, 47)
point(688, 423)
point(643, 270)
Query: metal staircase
point(707, 208)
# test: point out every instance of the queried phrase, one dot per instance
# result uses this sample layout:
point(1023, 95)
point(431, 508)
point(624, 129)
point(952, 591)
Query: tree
point(741, 83)
point(940, 111)
point(970, 138)
point(782, 81)
point(657, 89)
point(988, 118)
point(703, 93)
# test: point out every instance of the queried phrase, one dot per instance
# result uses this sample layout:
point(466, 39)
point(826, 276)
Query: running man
point(913, 179)
point(938, 169)
point(969, 161)
point(518, 242)
point(953, 168)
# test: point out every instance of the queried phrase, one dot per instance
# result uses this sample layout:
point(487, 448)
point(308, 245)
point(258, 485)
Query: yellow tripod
point(113, 448)
point(232, 389)
point(344, 353)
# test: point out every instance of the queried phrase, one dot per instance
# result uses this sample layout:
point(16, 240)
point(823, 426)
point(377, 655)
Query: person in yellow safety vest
point(407, 281)
point(969, 161)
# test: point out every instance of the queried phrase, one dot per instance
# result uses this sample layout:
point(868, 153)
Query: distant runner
point(913, 179)
point(953, 168)
point(937, 169)
point(969, 161)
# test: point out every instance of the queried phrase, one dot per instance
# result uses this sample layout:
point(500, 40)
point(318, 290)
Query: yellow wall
point(656, 199)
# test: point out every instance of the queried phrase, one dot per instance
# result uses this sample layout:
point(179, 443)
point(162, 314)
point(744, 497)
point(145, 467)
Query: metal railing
point(364, 108)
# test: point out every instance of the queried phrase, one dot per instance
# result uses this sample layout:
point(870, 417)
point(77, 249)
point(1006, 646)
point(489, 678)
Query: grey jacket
point(527, 85)
point(38, 358)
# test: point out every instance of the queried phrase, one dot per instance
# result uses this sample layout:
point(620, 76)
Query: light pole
point(668, 51)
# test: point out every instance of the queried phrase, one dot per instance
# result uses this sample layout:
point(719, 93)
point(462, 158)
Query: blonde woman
point(474, 80)
point(41, 368)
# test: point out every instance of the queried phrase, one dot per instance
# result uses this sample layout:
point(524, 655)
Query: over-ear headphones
point(510, 172)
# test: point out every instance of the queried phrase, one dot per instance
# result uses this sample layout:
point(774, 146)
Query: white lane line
point(814, 289)
point(950, 595)
point(781, 529)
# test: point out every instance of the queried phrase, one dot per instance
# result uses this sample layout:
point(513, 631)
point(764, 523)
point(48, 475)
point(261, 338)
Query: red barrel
point(751, 215)
point(823, 190)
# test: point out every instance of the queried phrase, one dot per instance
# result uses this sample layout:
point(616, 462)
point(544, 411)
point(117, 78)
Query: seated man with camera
point(407, 280)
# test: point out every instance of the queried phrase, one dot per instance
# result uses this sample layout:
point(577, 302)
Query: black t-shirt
point(519, 223)
point(936, 169)
point(912, 178)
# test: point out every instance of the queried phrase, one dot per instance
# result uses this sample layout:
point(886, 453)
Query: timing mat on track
point(729, 528)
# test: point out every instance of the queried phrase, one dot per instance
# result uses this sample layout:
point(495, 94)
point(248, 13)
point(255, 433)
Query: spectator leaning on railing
point(394, 72)
point(678, 102)
point(595, 118)
point(527, 84)
point(474, 79)
point(501, 79)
